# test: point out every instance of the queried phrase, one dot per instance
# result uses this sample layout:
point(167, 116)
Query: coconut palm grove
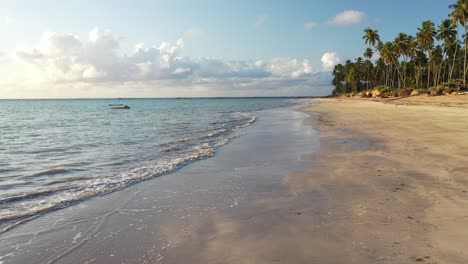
point(433, 62)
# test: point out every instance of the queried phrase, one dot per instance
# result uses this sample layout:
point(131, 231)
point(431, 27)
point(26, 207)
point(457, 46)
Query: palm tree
point(446, 30)
point(351, 78)
point(412, 53)
point(338, 79)
point(436, 60)
point(460, 15)
point(368, 54)
point(371, 37)
point(386, 53)
point(402, 48)
point(419, 59)
point(379, 73)
point(447, 33)
point(451, 47)
point(368, 66)
point(428, 59)
point(425, 38)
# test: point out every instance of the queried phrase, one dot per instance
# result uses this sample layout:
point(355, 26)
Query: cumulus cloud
point(348, 17)
point(99, 59)
point(329, 60)
point(261, 19)
point(310, 25)
point(288, 67)
point(67, 58)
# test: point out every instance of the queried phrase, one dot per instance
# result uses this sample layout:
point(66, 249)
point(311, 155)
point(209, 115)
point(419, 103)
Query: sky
point(199, 48)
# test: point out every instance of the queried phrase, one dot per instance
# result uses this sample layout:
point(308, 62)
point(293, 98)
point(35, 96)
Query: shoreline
point(213, 210)
point(397, 171)
point(442, 100)
point(378, 183)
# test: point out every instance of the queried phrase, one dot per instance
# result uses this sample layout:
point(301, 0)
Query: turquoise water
point(54, 153)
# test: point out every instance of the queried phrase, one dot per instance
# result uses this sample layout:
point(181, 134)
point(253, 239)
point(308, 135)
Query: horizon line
point(136, 98)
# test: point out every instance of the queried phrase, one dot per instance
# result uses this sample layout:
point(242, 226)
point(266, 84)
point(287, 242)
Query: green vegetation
point(432, 62)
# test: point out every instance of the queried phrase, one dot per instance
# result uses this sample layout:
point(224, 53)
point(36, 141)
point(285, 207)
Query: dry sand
point(396, 174)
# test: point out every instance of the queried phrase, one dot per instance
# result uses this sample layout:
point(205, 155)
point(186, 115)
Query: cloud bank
point(99, 60)
point(348, 17)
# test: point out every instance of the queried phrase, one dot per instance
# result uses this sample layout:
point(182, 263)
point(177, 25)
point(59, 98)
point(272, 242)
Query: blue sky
point(222, 30)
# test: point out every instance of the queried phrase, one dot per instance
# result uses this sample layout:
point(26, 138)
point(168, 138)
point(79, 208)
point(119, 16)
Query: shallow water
point(54, 153)
point(160, 220)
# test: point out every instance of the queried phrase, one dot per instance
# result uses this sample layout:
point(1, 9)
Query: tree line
point(433, 59)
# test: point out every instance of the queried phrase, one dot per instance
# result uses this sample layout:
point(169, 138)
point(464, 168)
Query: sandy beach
point(386, 186)
point(358, 181)
point(395, 172)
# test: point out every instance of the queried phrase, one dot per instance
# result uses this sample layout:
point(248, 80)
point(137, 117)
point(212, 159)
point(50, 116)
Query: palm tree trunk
point(421, 81)
point(444, 74)
point(464, 60)
point(453, 63)
point(418, 72)
point(443, 64)
point(404, 72)
point(428, 74)
point(416, 78)
point(438, 74)
point(367, 78)
point(387, 70)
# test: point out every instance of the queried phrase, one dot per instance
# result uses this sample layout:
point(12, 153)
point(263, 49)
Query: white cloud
point(261, 19)
point(65, 58)
point(329, 60)
point(98, 60)
point(288, 67)
point(310, 25)
point(348, 17)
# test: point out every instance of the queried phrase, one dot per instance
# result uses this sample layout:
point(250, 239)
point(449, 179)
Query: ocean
point(55, 153)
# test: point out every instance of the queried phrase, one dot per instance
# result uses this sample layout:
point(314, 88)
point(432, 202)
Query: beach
point(234, 132)
point(337, 181)
point(396, 170)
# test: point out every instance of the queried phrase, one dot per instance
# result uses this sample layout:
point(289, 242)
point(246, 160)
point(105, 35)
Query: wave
point(67, 193)
point(169, 149)
point(179, 140)
point(49, 172)
point(217, 132)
